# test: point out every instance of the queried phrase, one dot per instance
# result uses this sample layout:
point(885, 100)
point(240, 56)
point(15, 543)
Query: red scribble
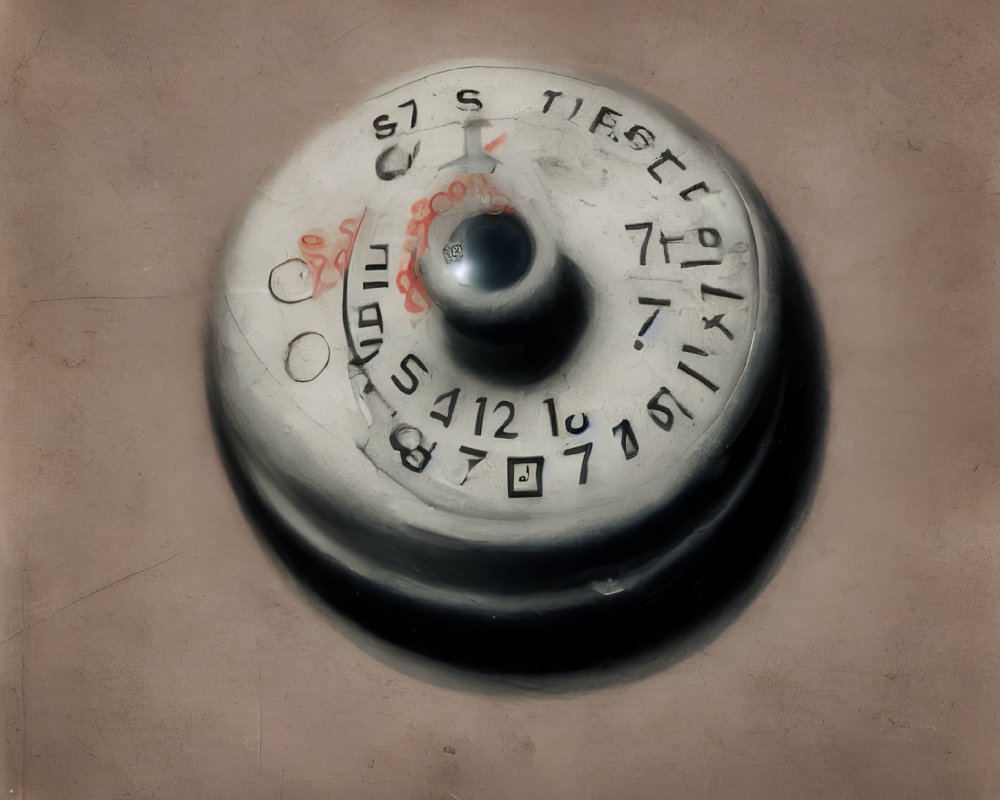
point(495, 143)
point(423, 213)
point(328, 257)
point(492, 200)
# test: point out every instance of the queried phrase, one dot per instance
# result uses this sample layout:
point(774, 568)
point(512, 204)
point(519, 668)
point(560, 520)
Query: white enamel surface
point(583, 188)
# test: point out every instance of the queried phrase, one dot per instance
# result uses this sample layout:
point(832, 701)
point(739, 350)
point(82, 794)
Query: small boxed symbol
point(524, 476)
point(453, 252)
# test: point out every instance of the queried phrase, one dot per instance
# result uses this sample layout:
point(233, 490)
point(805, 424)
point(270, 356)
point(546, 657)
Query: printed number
point(413, 380)
point(638, 226)
point(707, 237)
point(572, 426)
point(630, 447)
point(660, 414)
point(445, 418)
point(583, 449)
point(474, 456)
point(384, 128)
point(409, 443)
point(501, 432)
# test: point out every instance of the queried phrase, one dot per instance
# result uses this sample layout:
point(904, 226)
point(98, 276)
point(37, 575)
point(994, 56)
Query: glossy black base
point(709, 584)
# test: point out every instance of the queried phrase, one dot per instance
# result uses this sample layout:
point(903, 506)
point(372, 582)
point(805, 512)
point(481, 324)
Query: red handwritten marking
point(328, 257)
point(489, 196)
point(495, 143)
point(423, 213)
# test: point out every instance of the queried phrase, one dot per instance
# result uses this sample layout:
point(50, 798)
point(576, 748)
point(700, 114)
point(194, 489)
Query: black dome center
point(490, 251)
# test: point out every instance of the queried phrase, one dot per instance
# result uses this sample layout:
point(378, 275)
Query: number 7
point(638, 226)
point(585, 449)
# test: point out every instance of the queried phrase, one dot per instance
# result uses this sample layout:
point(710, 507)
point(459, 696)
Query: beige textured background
point(151, 648)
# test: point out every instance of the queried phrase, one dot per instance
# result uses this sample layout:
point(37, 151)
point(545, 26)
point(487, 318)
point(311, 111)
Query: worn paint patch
point(328, 256)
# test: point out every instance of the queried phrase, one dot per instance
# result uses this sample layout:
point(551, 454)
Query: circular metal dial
point(495, 340)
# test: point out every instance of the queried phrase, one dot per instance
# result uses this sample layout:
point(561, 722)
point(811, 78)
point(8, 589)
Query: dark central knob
point(508, 304)
point(489, 252)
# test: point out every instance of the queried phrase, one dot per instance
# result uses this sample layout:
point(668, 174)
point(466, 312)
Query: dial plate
point(325, 283)
point(516, 370)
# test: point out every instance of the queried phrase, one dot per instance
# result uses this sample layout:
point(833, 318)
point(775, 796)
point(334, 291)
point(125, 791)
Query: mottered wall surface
point(152, 648)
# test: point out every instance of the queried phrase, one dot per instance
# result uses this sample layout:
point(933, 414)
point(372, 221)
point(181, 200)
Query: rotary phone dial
point(500, 360)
